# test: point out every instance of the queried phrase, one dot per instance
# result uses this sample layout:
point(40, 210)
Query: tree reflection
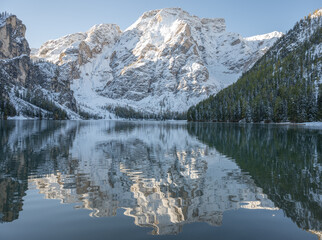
point(161, 174)
point(284, 161)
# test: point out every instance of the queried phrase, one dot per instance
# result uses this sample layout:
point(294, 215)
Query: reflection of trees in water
point(156, 172)
point(11, 193)
point(27, 148)
point(160, 175)
point(285, 162)
point(36, 148)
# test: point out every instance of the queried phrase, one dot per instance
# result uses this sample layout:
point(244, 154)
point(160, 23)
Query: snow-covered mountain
point(165, 62)
point(27, 88)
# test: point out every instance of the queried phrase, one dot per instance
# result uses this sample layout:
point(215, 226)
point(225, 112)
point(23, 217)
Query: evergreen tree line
point(282, 86)
point(6, 108)
point(87, 115)
point(130, 113)
point(53, 112)
point(5, 14)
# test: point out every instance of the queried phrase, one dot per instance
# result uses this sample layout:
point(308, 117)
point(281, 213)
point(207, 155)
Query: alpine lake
point(159, 180)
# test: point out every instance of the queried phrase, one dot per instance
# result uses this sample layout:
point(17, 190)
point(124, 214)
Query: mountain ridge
point(163, 63)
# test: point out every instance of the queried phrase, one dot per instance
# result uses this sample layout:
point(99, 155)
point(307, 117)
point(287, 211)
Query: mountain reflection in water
point(164, 175)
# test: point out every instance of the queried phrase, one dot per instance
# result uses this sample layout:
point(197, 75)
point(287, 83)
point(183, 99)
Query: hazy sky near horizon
point(47, 20)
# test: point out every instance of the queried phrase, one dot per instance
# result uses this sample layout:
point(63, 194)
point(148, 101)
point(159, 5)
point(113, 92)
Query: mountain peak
point(66, 48)
point(274, 34)
point(167, 16)
point(165, 62)
point(163, 11)
point(12, 32)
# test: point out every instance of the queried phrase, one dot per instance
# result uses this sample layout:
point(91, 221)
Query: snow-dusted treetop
point(316, 13)
point(3, 17)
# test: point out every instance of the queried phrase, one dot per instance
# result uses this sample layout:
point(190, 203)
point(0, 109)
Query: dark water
point(131, 180)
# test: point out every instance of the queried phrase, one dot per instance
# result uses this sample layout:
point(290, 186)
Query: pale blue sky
point(52, 19)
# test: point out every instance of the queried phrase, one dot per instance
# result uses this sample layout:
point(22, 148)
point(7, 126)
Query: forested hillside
point(284, 85)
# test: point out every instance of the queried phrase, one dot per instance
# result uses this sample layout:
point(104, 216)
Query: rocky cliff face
point(28, 88)
point(165, 62)
point(12, 42)
point(14, 48)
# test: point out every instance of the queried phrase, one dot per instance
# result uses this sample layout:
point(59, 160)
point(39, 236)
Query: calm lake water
point(159, 180)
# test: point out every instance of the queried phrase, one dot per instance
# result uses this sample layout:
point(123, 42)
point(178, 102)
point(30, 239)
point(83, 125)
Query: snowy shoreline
point(303, 124)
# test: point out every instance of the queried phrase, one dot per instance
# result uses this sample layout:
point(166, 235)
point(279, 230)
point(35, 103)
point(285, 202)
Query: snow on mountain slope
point(262, 37)
point(79, 45)
point(30, 88)
point(165, 62)
point(82, 59)
point(262, 43)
